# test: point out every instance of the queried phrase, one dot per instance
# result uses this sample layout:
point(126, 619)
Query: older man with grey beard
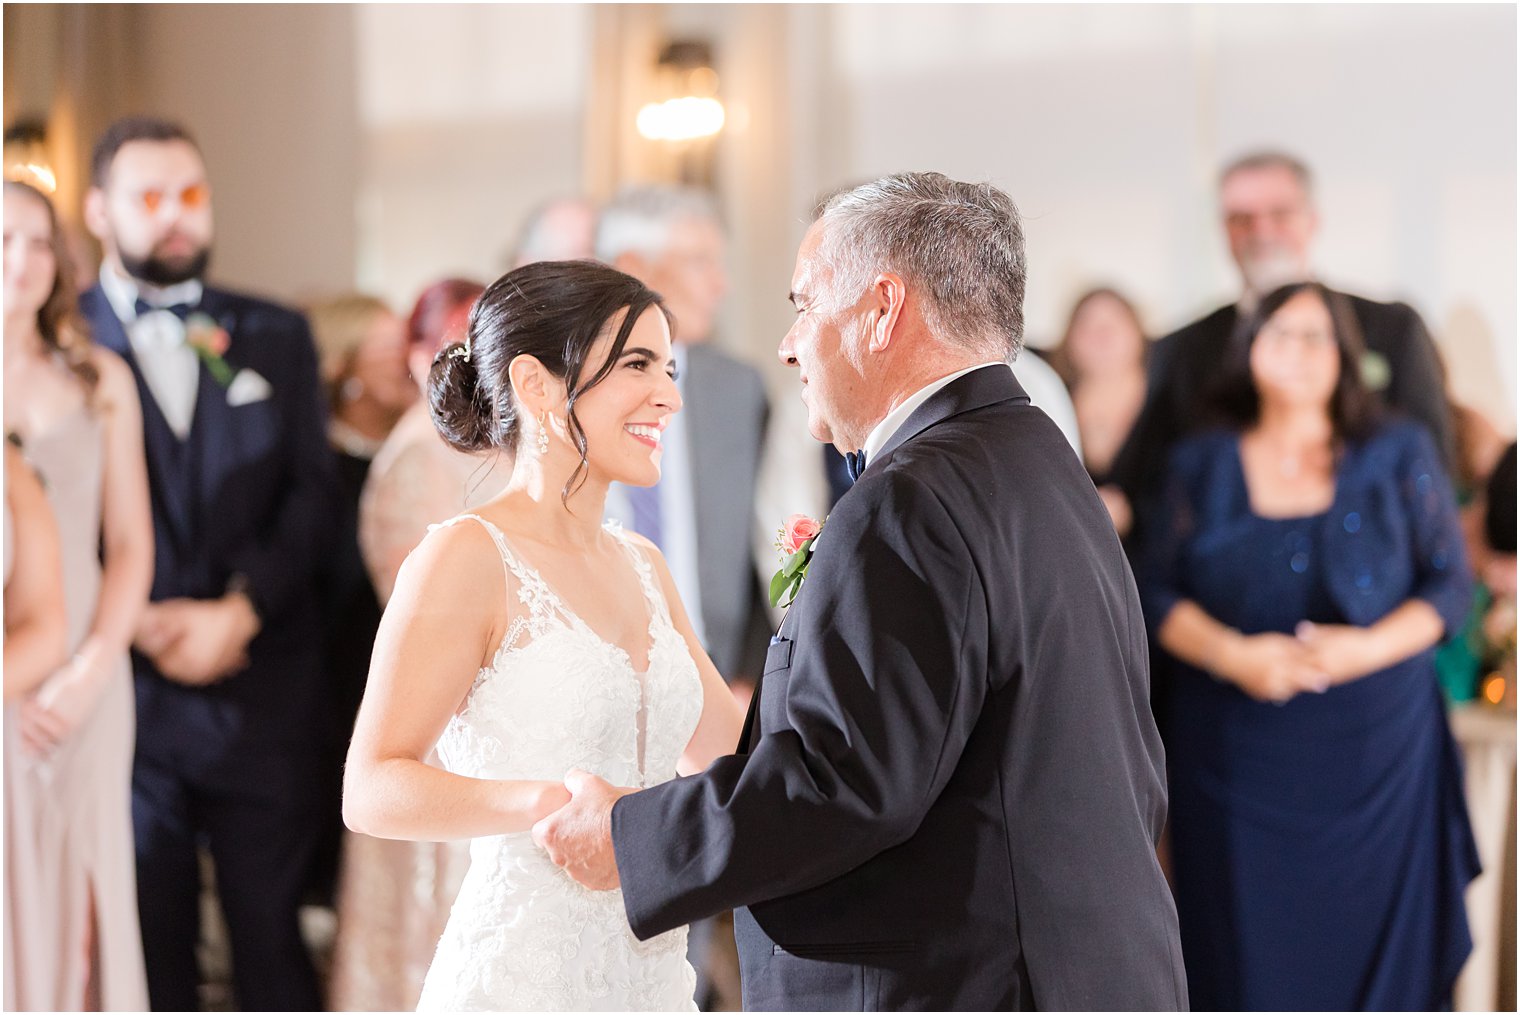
point(1267, 209)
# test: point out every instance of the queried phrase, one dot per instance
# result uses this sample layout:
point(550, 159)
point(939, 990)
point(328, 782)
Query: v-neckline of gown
point(561, 607)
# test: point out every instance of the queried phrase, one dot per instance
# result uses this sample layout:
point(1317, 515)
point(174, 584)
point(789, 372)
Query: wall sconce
point(26, 156)
point(692, 110)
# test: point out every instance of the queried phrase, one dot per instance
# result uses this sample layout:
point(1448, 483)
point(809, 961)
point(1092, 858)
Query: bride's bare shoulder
point(454, 559)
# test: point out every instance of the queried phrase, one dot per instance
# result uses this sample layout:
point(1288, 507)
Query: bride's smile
point(638, 397)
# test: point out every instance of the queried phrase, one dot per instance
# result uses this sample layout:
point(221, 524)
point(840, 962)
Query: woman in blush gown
point(394, 895)
point(527, 639)
point(69, 743)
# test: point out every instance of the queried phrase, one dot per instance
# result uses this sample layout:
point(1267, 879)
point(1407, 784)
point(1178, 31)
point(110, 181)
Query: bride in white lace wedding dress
point(527, 640)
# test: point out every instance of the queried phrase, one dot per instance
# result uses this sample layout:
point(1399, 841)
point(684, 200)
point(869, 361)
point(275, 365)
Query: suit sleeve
point(282, 559)
point(886, 683)
point(1417, 381)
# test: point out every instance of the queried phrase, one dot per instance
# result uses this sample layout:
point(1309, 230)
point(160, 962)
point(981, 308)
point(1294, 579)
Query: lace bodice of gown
point(522, 934)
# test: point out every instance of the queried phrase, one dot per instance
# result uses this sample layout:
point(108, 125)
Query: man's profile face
point(824, 344)
point(1269, 224)
point(154, 211)
point(691, 275)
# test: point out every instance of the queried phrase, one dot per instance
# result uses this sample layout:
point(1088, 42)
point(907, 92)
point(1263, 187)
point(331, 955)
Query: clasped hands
point(197, 642)
point(1277, 667)
point(578, 836)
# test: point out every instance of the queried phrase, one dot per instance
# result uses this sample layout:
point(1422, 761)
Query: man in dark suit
point(1270, 222)
point(228, 659)
point(952, 786)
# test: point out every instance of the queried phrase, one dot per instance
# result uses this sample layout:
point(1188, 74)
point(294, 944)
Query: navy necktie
point(180, 310)
point(855, 463)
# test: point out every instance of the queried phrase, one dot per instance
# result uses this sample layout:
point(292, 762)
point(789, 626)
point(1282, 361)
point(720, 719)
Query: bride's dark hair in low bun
point(553, 311)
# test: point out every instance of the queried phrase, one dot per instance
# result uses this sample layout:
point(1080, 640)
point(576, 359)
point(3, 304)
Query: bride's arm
point(444, 619)
point(722, 719)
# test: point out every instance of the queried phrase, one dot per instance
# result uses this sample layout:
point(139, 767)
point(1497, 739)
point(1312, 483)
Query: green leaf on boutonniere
point(779, 581)
point(219, 368)
point(797, 561)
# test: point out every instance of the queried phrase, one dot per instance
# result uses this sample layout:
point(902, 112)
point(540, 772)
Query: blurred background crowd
point(1272, 306)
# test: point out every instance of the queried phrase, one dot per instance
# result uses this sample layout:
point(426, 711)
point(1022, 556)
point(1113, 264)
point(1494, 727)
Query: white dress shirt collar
point(123, 292)
point(889, 426)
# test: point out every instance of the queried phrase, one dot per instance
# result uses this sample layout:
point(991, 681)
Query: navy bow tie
point(180, 310)
point(855, 463)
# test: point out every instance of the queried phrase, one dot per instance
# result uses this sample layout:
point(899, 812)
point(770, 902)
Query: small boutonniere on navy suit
point(795, 541)
point(210, 341)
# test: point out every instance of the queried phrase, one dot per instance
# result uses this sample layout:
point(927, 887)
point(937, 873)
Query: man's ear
point(889, 293)
point(95, 213)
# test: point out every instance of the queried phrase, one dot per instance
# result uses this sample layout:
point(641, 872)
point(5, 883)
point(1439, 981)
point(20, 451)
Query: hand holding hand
point(1340, 651)
point(199, 642)
point(578, 836)
point(1272, 667)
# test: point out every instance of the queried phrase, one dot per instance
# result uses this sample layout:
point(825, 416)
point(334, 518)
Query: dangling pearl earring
point(543, 435)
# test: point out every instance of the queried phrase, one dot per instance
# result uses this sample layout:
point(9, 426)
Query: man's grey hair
point(638, 220)
point(1271, 159)
point(958, 246)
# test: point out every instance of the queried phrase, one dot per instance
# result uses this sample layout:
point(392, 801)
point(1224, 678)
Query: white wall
point(469, 116)
point(1107, 125)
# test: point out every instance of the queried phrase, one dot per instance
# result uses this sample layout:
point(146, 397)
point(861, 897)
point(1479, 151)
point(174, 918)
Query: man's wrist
point(240, 594)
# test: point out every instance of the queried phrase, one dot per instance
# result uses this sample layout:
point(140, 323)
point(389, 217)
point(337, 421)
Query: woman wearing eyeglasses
point(72, 941)
point(1306, 563)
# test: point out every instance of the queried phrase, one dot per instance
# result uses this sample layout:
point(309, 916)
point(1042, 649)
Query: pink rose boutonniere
point(210, 342)
point(795, 541)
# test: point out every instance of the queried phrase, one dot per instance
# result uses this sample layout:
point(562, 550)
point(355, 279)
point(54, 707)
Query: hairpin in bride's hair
point(460, 351)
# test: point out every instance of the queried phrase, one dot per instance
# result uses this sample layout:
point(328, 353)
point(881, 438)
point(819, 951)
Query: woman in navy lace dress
point(1312, 563)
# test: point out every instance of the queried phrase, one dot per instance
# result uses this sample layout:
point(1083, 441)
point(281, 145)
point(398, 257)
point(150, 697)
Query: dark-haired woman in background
point(1312, 561)
point(1101, 357)
point(74, 941)
point(528, 639)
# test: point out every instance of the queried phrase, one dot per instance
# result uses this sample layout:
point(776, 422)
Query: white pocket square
point(247, 387)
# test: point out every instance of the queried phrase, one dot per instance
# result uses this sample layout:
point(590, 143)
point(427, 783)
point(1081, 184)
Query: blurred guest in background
point(1304, 565)
point(362, 356)
point(68, 745)
point(701, 514)
point(394, 895)
point(36, 617)
point(563, 229)
point(416, 479)
point(1101, 357)
point(1269, 219)
point(231, 700)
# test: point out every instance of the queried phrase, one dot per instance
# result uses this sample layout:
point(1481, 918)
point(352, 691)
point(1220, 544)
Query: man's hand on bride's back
point(578, 836)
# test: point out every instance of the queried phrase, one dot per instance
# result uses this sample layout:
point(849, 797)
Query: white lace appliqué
point(522, 935)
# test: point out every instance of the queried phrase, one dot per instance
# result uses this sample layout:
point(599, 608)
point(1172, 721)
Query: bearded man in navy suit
point(228, 659)
point(950, 787)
